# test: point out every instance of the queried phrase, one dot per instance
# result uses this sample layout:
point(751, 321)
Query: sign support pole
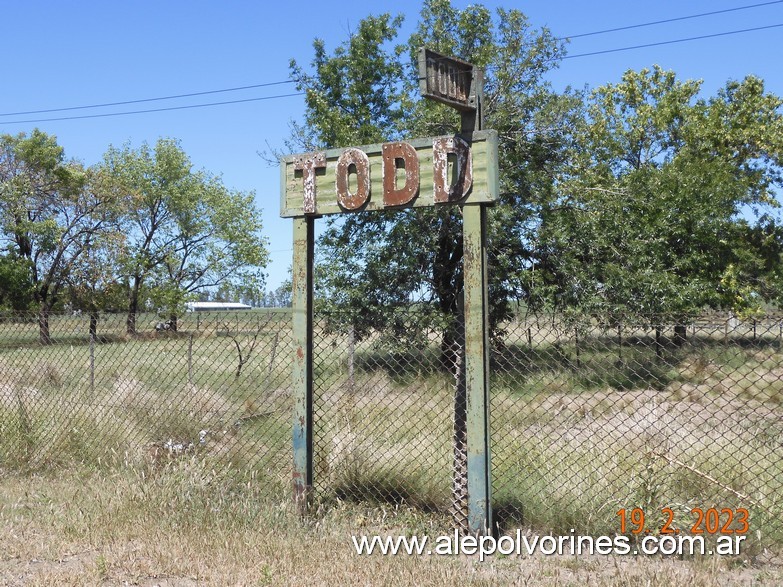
point(302, 302)
point(476, 370)
point(476, 320)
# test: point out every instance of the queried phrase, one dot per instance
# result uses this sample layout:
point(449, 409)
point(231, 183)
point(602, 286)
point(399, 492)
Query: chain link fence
point(384, 414)
point(585, 421)
point(211, 386)
point(671, 420)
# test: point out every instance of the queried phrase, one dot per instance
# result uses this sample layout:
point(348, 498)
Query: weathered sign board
point(455, 169)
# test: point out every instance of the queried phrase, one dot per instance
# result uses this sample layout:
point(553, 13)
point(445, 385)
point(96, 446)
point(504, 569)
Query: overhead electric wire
point(268, 84)
point(668, 20)
point(174, 97)
point(106, 114)
point(673, 41)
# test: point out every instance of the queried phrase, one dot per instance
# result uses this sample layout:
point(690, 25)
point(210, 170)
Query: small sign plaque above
point(447, 80)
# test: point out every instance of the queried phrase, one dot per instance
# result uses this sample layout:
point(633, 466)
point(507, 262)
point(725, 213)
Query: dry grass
point(571, 445)
point(191, 526)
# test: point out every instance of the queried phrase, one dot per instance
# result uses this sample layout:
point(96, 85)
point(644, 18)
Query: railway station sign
point(459, 169)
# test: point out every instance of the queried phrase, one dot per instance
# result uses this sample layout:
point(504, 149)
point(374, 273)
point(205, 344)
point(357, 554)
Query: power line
point(668, 20)
point(151, 110)
point(268, 84)
point(658, 44)
point(173, 97)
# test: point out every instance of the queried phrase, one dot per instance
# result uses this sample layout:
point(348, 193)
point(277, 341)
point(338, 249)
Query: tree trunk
point(173, 322)
point(448, 342)
point(43, 324)
point(680, 335)
point(133, 306)
point(453, 334)
point(460, 440)
point(447, 278)
point(94, 324)
point(130, 322)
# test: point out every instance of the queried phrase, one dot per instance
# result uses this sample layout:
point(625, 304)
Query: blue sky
point(68, 54)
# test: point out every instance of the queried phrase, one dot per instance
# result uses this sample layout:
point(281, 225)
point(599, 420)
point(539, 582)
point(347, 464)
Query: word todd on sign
point(422, 172)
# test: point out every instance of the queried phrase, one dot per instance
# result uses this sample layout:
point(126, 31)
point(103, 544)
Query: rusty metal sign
point(457, 169)
point(447, 80)
point(422, 172)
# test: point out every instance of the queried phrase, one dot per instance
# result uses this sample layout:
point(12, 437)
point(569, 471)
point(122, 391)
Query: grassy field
point(194, 526)
point(147, 460)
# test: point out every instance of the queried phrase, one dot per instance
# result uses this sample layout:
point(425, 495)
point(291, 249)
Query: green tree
point(16, 287)
point(652, 206)
point(281, 297)
point(93, 283)
point(154, 184)
point(373, 263)
point(216, 242)
point(186, 232)
point(51, 210)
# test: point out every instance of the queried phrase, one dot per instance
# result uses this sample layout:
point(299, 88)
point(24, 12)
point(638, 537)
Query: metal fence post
point(92, 364)
point(190, 359)
point(274, 353)
point(302, 381)
point(477, 369)
point(351, 356)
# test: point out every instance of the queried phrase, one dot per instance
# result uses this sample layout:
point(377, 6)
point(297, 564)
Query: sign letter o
point(361, 163)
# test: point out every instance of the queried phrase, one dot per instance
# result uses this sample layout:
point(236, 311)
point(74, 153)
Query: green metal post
point(477, 368)
point(302, 302)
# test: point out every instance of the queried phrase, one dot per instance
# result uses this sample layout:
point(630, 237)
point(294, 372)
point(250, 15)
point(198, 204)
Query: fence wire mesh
point(384, 415)
point(590, 421)
point(213, 386)
point(585, 421)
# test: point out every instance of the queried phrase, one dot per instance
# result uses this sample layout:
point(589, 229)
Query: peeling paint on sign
point(307, 164)
point(399, 156)
point(354, 161)
point(444, 189)
point(417, 173)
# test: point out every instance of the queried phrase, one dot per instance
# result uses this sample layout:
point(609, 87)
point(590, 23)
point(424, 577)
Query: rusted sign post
point(302, 302)
point(449, 170)
point(460, 85)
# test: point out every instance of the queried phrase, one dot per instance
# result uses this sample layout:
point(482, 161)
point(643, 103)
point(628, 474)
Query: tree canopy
point(185, 231)
point(663, 200)
point(641, 199)
point(141, 228)
point(373, 263)
point(51, 211)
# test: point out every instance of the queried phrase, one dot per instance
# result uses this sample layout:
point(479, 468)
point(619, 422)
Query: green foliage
point(643, 198)
point(52, 211)
point(186, 232)
point(354, 95)
point(143, 225)
point(374, 262)
point(650, 218)
point(16, 288)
